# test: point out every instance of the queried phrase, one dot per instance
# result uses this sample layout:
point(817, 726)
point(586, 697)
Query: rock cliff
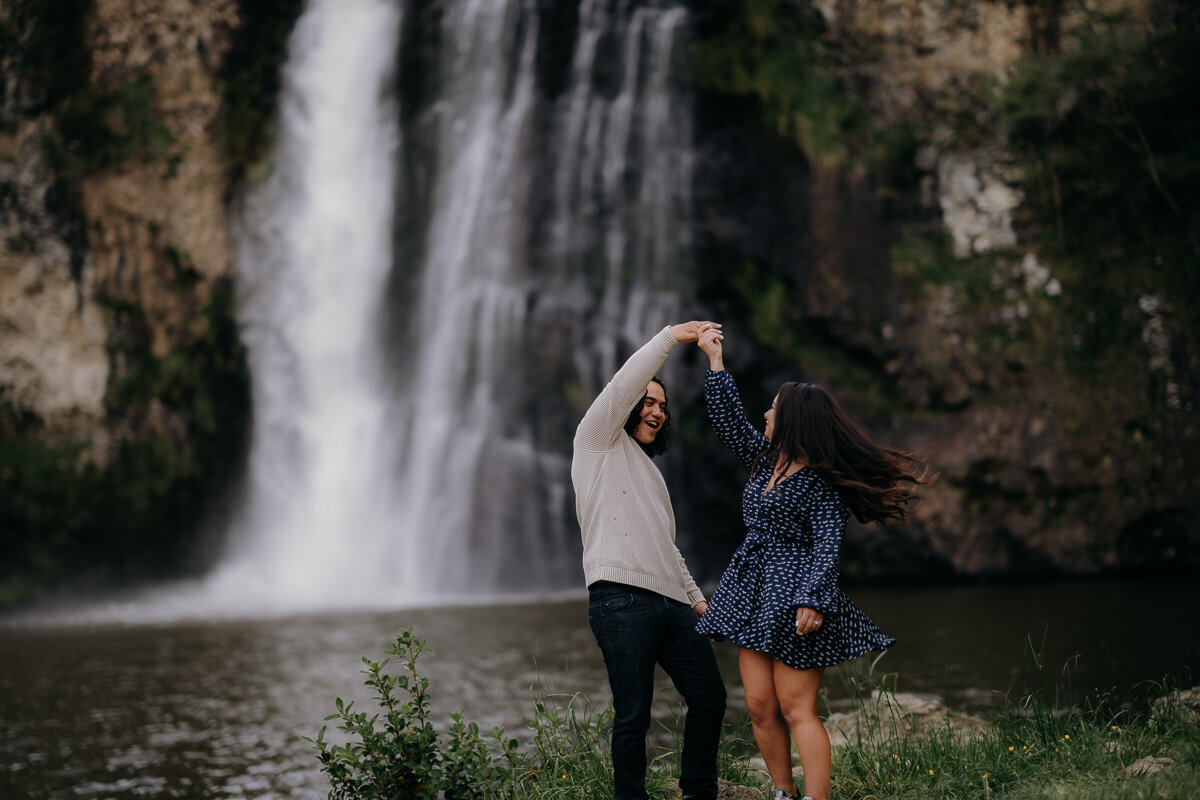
point(924, 289)
point(115, 280)
point(149, 234)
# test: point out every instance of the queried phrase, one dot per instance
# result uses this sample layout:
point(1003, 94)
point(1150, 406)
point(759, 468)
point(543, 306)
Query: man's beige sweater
point(621, 499)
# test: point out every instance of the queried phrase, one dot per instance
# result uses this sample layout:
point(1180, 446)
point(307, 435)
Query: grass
point(1040, 745)
point(1036, 748)
point(1030, 750)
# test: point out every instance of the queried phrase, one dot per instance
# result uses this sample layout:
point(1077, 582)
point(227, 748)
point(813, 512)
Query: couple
point(778, 600)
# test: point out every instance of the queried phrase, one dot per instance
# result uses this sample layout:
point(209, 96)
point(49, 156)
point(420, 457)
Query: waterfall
point(313, 255)
point(641, 126)
point(415, 392)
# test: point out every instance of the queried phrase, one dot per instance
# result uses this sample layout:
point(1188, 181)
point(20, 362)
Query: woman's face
point(654, 414)
point(770, 418)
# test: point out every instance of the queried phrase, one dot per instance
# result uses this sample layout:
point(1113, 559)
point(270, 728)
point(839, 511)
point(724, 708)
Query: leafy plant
point(396, 752)
point(401, 760)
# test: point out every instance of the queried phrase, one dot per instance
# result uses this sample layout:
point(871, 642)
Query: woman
point(779, 600)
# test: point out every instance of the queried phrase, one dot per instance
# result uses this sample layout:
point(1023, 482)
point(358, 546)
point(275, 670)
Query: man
point(643, 602)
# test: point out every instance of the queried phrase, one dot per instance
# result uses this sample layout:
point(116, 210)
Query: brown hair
point(875, 482)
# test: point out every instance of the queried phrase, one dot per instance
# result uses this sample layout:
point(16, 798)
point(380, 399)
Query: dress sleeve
point(602, 424)
point(729, 418)
point(819, 587)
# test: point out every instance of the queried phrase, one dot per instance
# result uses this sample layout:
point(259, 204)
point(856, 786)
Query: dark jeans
point(637, 629)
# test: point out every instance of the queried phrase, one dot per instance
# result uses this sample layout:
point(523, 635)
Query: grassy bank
point(1030, 749)
point(1037, 747)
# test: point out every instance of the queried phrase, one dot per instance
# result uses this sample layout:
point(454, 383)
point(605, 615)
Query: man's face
point(653, 413)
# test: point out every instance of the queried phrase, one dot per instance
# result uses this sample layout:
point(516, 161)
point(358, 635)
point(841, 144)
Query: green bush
point(397, 753)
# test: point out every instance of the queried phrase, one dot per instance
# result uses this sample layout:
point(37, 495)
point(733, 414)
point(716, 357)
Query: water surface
point(217, 709)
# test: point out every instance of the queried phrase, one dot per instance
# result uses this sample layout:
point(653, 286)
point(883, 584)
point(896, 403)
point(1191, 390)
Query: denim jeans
point(637, 629)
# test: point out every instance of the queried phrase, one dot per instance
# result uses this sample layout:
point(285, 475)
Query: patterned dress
point(788, 559)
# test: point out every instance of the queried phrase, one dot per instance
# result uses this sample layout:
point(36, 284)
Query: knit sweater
point(621, 500)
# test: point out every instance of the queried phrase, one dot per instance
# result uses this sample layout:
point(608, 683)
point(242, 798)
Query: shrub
point(397, 753)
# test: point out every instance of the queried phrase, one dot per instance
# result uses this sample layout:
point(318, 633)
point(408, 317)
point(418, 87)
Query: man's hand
point(690, 331)
point(700, 608)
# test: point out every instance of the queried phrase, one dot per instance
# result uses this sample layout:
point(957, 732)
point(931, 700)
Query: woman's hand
point(690, 331)
point(700, 608)
point(710, 343)
point(808, 620)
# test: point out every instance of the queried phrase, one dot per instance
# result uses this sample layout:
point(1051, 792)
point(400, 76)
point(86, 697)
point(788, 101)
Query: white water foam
point(314, 254)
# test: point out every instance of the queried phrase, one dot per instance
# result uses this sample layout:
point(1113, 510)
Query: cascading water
point(313, 258)
point(550, 237)
point(642, 226)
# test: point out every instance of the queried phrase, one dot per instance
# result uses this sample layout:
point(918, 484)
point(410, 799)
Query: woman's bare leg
point(770, 728)
point(797, 693)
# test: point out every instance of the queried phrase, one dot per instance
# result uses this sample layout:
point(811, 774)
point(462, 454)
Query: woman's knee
point(763, 710)
point(798, 714)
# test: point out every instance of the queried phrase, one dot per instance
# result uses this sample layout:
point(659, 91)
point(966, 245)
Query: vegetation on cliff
point(133, 516)
point(1109, 136)
point(250, 80)
point(1086, 324)
point(94, 127)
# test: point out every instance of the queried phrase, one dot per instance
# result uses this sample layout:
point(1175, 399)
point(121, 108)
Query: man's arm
point(604, 419)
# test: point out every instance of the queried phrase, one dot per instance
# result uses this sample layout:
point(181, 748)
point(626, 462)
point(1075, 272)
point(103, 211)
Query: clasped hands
point(707, 334)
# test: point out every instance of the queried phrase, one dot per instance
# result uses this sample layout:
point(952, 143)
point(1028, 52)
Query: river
point(94, 706)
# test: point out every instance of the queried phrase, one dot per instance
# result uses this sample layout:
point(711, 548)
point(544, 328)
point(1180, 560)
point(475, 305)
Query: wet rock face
point(977, 206)
point(72, 247)
point(151, 220)
point(54, 361)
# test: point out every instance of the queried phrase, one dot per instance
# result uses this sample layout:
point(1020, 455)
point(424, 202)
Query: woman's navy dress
point(789, 558)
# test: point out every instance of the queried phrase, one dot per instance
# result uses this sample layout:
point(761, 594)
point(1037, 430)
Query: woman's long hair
point(875, 482)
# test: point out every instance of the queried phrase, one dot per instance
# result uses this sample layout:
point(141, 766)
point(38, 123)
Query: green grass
point(1035, 748)
point(1029, 750)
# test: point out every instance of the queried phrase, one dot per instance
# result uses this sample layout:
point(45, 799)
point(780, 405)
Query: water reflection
point(216, 709)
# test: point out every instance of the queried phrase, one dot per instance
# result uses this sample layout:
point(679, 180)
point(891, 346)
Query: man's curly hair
point(663, 440)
